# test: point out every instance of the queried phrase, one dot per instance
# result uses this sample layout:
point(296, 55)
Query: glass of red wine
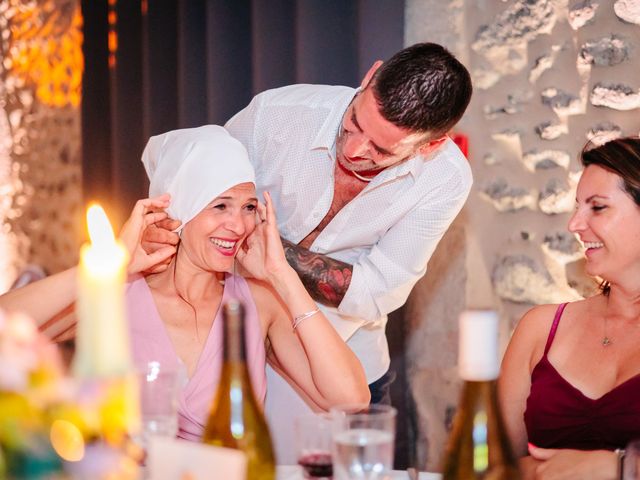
point(313, 444)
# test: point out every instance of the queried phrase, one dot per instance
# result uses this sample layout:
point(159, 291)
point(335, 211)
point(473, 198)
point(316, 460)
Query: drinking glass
point(363, 441)
point(313, 445)
point(631, 470)
point(159, 388)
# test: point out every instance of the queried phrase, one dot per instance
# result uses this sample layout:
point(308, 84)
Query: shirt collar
point(326, 137)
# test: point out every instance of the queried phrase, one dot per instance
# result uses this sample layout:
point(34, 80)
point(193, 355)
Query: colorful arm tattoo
point(325, 278)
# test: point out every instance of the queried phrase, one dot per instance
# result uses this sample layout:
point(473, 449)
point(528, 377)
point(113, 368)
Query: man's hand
point(157, 236)
point(145, 213)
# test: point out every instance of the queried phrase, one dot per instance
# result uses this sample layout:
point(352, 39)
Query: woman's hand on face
point(146, 212)
point(567, 464)
point(262, 255)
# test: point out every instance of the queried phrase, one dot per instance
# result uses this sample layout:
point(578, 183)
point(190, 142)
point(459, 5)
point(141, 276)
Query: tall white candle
point(102, 340)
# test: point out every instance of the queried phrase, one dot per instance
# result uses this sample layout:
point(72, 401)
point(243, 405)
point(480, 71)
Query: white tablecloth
point(293, 472)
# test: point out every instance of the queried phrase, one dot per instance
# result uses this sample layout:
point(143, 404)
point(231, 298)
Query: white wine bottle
point(479, 447)
point(236, 419)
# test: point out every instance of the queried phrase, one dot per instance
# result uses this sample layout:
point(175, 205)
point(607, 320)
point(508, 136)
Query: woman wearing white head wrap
point(175, 314)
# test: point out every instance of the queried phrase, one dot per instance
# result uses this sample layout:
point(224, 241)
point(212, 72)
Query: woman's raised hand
point(262, 255)
point(146, 212)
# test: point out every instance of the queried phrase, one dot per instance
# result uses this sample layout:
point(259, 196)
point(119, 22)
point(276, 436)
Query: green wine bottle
point(236, 420)
point(478, 446)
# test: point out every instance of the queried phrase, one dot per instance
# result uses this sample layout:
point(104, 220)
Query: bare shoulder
point(537, 320)
point(531, 333)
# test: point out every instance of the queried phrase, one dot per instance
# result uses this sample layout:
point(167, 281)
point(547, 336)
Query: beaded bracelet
point(298, 320)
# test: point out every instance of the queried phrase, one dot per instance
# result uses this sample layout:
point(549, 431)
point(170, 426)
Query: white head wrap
point(195, 165)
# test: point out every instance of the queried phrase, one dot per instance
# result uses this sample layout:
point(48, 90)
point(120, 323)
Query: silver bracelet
point(620, 452)
point(300, 318)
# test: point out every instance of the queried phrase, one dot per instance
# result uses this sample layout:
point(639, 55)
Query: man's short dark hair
point(423, 88)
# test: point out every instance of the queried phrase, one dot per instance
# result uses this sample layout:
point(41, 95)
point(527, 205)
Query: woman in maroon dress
point(570, 380)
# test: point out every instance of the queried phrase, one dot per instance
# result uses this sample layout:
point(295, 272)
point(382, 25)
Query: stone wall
point(548, 76)
point(40, 166)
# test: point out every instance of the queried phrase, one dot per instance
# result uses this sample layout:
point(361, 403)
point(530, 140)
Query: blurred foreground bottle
point(236, 420)
point(479, 447)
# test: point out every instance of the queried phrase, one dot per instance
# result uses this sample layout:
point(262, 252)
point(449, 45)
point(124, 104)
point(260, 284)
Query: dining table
point(294, 472)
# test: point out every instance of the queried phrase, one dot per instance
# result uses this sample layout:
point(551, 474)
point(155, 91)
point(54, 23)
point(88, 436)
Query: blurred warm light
point(112, 36)
point(67, 440)
point(46, 55)
point(100, 231)
point(104, 255)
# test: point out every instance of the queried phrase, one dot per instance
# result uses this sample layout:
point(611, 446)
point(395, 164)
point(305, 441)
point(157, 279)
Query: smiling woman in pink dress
point(570, 380)
point(175, 315)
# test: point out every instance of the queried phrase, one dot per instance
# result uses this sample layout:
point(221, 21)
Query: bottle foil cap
point(478, 345)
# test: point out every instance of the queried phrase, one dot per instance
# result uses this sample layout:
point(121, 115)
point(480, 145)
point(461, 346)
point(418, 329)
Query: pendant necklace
point(606, 341)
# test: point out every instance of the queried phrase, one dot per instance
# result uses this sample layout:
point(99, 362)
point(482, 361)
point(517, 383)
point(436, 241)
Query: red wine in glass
point(317, 465)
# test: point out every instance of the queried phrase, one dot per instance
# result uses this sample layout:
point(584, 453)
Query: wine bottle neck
point(234, 344)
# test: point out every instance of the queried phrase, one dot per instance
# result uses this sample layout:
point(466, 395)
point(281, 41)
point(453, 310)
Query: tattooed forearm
point(325, 278)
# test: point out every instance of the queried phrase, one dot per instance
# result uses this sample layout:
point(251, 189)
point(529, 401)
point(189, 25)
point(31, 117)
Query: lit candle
point(102, 340)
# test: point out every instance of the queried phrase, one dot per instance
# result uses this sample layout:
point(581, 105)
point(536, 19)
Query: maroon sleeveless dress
point(558, 415)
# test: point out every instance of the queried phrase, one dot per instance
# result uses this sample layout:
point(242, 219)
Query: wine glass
point(159, 389)
point(313, 445)
point(363, 441)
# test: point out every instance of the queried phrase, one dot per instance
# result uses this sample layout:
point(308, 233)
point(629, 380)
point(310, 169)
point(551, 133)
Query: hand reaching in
point(156, 237)
point(262, 255)
point(146, 213)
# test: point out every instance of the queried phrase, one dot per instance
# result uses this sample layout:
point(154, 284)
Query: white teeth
point(593, 244)
point(223, 243)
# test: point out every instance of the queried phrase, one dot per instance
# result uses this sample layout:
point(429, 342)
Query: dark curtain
point(157, 65)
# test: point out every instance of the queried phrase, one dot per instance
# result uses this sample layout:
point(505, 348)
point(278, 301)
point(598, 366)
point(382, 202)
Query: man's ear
point(369, 75)
point(432, 145)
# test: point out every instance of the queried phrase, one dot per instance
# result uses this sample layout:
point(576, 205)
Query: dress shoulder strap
point(554, 327)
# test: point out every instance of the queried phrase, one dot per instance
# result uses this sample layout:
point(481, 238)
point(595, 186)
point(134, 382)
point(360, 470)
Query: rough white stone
point(556, 197)
point(507, 135)
point(545, 159)
point(617, 97)
point(521, 22)
point(490, 159)
point(604, 132)
point(582, 13)
point(544, 63)
point(504, 42)
point(550, 130)
point(606, 51)
point(562, 103)
point(507, 198)
point(484, 79)
point(562, 247)
point(515, 103)
point(492, 113)
point(628, 10)
point(521, 279)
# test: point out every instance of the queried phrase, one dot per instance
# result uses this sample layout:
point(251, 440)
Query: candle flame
point(100, 231)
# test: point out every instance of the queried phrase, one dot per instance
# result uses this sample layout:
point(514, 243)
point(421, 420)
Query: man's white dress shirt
point(387, 232)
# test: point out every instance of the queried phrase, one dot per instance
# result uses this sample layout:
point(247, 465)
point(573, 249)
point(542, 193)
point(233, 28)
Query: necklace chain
point(606, 340)
point(360, 177)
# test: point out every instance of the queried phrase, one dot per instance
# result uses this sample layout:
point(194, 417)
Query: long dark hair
point(622, 157)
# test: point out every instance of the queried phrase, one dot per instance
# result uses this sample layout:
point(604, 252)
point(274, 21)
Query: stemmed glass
point(363, 441)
